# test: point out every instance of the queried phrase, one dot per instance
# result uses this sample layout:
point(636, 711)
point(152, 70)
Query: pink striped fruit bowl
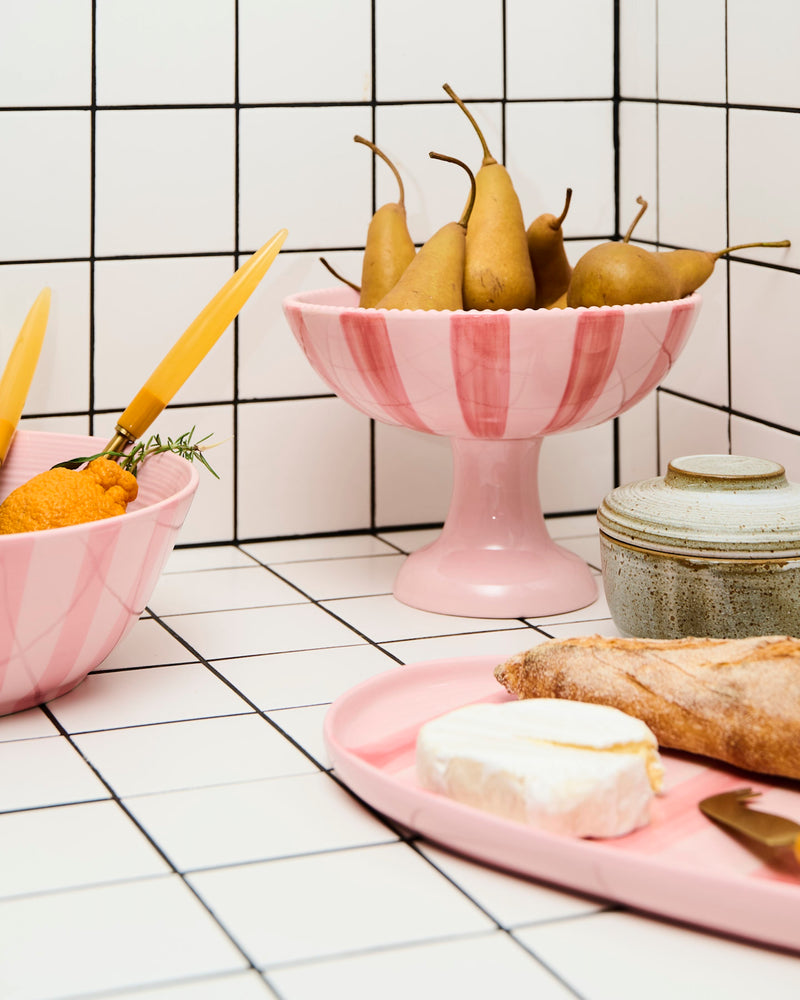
point(496, 383)
point(70, 594)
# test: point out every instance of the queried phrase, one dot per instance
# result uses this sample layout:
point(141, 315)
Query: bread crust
point(736, 700)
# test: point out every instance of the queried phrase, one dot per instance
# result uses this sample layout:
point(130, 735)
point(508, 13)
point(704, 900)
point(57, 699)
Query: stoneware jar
point(710, 549)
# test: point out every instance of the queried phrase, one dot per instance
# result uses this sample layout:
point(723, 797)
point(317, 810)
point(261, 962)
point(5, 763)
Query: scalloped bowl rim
point(146, 510)
point(300, 299)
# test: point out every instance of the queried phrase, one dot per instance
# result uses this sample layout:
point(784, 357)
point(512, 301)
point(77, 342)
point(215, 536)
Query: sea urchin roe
point(60, 497)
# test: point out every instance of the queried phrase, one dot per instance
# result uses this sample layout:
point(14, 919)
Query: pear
point(618, 273)
point(497, 271)
point(389, 248)
point(339, 277)
point(435, 277)
point(551, 269)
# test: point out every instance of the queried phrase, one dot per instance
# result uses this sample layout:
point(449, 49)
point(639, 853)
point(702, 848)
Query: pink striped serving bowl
point(496, 375)
point(70, 594)
point(496, 383)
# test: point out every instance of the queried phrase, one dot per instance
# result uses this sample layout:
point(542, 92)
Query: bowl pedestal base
point(494, 557)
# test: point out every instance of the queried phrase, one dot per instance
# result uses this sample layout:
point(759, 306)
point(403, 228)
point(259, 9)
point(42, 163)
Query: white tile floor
point(170, 830)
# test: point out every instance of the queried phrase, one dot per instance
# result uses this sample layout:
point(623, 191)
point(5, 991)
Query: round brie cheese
point(563, 766)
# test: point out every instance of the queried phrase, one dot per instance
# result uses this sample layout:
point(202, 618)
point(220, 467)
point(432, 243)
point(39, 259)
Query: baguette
point(735, 700)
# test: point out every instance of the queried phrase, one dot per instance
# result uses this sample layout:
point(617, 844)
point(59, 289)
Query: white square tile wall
point(153, 146)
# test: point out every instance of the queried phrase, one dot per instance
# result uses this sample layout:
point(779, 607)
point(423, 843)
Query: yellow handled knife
point(21, 364)
point(193, 345)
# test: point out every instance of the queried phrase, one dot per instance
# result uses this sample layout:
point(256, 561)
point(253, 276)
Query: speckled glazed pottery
point(710, 549)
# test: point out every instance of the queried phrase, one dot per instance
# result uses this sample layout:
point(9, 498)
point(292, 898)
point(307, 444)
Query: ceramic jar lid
point(709, 505)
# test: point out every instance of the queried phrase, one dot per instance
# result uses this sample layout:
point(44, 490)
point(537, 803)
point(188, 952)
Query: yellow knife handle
point(197, 340)
point(7, 429)
point(20, 367)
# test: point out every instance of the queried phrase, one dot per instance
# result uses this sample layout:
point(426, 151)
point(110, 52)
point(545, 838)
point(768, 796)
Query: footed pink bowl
point(70, 594)
point(495, 383)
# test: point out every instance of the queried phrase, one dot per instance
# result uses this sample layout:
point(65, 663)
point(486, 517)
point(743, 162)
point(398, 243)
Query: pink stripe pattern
point(490, 375)
point(482, 367)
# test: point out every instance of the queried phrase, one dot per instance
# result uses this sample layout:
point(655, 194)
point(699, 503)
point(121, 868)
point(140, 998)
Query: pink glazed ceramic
point(70, 594)
point(496, 383)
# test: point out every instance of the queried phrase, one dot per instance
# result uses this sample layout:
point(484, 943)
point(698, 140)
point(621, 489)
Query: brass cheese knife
point(731, 809)
point(193, 345)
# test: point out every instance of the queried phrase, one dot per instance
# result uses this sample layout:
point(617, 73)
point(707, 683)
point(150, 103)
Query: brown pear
point(339, 277)
point(691, 268)
point(616, 274)
point(435, 277)
point(497, 271)
point(389, 248)
point(551, 269)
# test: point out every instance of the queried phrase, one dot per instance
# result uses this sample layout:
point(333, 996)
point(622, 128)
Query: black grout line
point(153, 843)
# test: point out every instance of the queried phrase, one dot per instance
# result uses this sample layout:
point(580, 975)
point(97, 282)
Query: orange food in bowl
point(60, 497)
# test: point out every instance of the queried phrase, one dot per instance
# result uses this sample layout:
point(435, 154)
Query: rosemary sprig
point(142, 450)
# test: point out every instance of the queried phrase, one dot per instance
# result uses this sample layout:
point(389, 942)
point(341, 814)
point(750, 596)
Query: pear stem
point(392, 167)
point(556, 225)
point(640, 200)
point(745, 246)
point(487, 156)
point(468, 207)
point(339, 277)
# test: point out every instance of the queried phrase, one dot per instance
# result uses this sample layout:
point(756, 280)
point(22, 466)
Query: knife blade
point(20, 367)
point(731, 809)
point(193, 345)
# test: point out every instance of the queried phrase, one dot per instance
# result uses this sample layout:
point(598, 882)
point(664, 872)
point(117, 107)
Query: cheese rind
point(566, 767)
